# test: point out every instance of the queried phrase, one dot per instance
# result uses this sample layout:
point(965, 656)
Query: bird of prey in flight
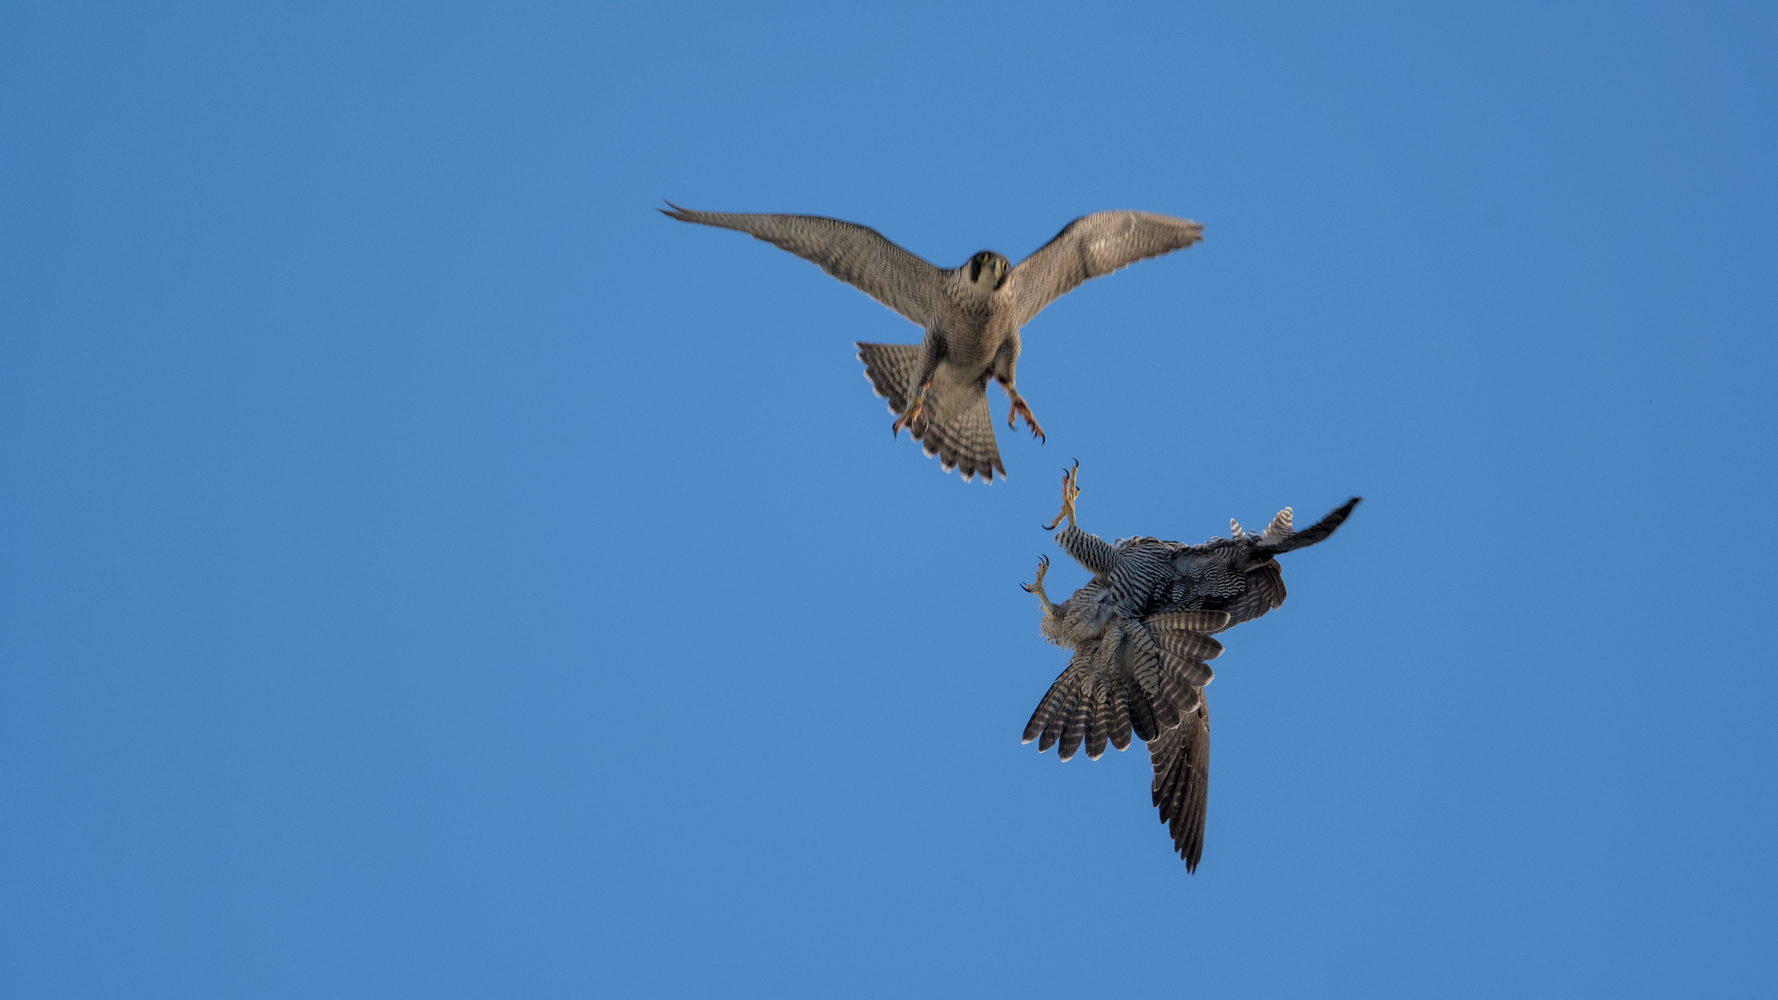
point(1141, 634)
point(971, 313)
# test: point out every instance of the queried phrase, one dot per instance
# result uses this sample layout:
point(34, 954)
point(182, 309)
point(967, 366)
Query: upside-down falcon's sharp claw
point(1070, 490)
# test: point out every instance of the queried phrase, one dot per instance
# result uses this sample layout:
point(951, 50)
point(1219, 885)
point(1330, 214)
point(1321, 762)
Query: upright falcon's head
point(984, 275)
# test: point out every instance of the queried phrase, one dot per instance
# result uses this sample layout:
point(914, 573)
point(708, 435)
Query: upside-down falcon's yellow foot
point(1043, 568)
point(1070, 490)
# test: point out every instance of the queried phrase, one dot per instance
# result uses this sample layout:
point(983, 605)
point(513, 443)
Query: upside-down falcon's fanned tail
point(954, 423)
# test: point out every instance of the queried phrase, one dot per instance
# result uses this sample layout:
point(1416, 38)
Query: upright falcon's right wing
point(857, 255)
point(1093, 245)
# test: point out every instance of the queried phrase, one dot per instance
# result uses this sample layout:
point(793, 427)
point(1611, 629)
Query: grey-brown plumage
point(1141, 631)
point(971, 313)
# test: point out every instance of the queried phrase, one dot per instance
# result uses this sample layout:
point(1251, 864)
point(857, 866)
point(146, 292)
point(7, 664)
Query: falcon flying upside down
point(1141, 634)
point(971, 313)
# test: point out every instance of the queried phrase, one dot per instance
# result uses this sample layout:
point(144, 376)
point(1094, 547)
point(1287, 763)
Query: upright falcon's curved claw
point(1070, 490)
point(908, 416)
point(1019, 407)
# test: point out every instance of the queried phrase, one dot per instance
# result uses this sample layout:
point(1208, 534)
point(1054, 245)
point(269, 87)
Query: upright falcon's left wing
point(855, 254)
point(1093, 245)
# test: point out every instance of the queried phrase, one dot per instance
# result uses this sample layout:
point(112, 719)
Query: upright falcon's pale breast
point(971, 313)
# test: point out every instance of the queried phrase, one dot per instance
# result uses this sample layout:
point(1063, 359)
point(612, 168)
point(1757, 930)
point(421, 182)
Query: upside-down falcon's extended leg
point(1088, 549)
point(1043, 568)
point(1070, 491)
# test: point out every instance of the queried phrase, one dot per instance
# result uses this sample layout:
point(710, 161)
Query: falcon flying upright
point(971, 313)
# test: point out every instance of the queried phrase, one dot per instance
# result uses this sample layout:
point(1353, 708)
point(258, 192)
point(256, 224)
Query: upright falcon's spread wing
point(857, 255)
point(1093, 245)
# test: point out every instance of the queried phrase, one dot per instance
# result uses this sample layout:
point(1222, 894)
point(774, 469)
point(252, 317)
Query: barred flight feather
point(1203, 622)
point(1189, 645)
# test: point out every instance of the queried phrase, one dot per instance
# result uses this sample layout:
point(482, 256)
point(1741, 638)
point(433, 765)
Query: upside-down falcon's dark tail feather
point(1313, 533)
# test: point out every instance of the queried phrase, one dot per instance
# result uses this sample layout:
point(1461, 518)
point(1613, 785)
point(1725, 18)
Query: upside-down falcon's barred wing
point(1127, 683)
point(1181, 790)
point(1093, 245)
point(857, 255)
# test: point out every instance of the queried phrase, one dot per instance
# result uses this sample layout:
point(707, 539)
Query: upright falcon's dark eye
point(975, 270)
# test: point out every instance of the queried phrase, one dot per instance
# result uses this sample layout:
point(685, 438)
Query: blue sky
point(430, 572)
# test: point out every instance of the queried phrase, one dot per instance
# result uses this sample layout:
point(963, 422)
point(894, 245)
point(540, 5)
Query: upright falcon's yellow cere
point(971, 313)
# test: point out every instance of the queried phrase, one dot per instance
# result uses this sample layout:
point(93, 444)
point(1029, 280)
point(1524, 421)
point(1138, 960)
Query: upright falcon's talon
point(1020, 407)
point(1070, 490)
point(907, 418)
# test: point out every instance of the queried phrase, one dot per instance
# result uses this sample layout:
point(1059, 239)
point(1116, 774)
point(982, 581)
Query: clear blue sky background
point(429, 572)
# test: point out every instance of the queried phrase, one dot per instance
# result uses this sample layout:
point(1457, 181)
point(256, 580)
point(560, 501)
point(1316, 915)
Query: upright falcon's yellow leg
point(915, 407)
point(1070, 490)
point(1019, 406)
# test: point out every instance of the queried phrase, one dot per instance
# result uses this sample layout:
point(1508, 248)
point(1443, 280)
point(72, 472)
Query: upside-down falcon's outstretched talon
point(1043, 568)
point(1070, 490)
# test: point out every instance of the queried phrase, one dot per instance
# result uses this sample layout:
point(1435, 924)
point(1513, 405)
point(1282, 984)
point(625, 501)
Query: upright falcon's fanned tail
point(954, 423)
point(891, 369)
